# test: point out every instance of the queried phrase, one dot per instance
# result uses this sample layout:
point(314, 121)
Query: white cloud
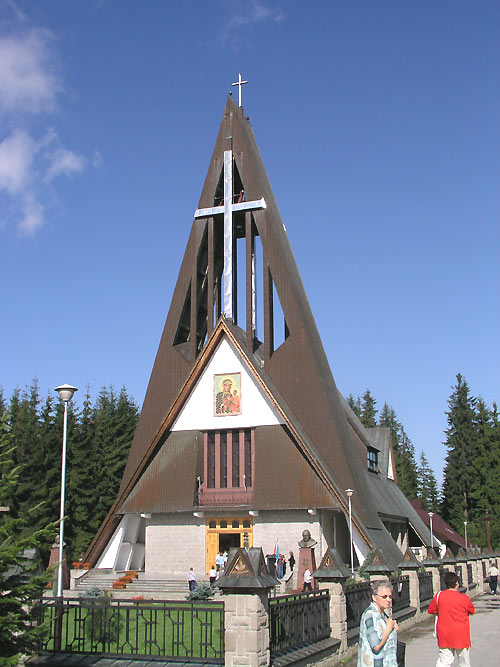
point(65, 162)
point(30, 86)
point(27, 74)
point(16, 157)
point(247, 15)
point(32, 215)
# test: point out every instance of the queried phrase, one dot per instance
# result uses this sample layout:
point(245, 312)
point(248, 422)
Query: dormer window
point(372, 458)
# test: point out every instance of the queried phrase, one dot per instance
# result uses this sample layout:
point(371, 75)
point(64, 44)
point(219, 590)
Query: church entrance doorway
point(228, 540)
point(222, 534)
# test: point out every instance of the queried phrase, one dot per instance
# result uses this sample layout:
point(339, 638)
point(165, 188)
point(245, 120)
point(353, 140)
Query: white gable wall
point(198, 411)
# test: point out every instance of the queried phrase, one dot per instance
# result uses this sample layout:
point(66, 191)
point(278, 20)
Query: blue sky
point(378, 126)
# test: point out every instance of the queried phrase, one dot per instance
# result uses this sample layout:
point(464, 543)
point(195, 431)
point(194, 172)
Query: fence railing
point(171, 629)
point(401, 593)
point(358, 597)
point(426, 591)
point(298, 620)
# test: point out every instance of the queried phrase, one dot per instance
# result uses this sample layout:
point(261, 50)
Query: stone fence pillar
point(432, 564)
point(461, 566)
point(332, 575)
point(246, 585)
point(246, 623)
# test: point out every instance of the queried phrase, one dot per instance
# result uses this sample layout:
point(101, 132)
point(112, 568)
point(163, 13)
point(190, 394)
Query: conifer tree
point(354, 404)
point(82, 482)
point(115, 422)
point(404, 452)
point(20, 585)
point(427, 487)
point(484, 493)
point(368, 411)
point(459, 482)
point(406, 466)
point(24, 431)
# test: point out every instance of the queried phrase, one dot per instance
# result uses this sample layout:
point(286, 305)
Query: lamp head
point(66, 392)
point(349, 492)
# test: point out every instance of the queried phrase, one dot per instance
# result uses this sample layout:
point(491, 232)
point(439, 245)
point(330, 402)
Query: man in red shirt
point(453, 627)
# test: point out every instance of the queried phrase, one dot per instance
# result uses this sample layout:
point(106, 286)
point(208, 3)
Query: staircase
point(158, 588)
point(102, 579)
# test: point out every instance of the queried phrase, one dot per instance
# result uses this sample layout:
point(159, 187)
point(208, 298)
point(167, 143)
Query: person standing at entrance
point(191, 579)
point(212, 573)
point(453, 626)
point(219, 562)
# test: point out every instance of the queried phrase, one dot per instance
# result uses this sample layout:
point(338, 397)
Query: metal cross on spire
point(239, 83)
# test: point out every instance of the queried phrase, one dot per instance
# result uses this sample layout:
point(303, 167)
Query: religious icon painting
point(227, 394)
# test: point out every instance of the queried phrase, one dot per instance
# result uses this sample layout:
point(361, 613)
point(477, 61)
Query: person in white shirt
point(493, 578)
point(219, 561)
point(191, 579)
point(308, 578)
point(212, 573)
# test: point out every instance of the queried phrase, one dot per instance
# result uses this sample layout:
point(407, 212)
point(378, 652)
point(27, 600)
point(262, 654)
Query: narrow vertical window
point(248, 457)
point(211, 459)
point(223, 460)
point(236, 459)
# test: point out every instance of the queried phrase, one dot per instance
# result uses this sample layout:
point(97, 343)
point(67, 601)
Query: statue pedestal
point(54, 563)
point(307, 561)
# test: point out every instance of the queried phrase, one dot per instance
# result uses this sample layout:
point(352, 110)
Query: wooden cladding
point(228, 467)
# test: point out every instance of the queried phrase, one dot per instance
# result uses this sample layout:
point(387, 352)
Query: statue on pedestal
point(307, 561)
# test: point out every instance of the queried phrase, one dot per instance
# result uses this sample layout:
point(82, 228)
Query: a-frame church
point(243, 437)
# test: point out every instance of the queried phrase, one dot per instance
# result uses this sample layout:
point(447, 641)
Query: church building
point(243, 437)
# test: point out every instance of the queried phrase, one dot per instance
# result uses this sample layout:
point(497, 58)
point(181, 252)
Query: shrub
point(202, 591)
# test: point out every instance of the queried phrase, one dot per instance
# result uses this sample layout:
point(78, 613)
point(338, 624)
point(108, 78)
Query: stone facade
point(174, 543)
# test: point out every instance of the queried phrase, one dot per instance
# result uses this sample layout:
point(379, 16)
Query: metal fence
point(298, 620)
point(401, 593)
point(171, 629)
point(358, 597)
point(426, 591)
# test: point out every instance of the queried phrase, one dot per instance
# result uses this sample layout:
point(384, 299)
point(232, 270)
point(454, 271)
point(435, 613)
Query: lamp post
point(349, 493)
point(431, 514)
point(66, 392)
point(466, 543)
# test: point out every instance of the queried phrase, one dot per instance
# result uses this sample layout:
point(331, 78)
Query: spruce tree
point(461, 442)
point(427, 487)
point(354, 404)
point(406, 466)
point(24, 431)
point(20, 585)
point(368, 411)
point(404, 452)
point(115, 422)
point(82, 482)
point(484, 493)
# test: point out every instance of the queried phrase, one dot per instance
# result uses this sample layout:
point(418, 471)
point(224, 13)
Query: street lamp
point(66, 392)
point(466, 543)
point(349, 493)
point(431, 514)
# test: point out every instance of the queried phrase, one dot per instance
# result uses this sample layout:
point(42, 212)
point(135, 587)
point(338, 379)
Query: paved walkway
point(421, 646)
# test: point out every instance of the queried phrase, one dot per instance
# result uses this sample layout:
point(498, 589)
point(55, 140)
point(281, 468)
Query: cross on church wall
point(227, 210)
